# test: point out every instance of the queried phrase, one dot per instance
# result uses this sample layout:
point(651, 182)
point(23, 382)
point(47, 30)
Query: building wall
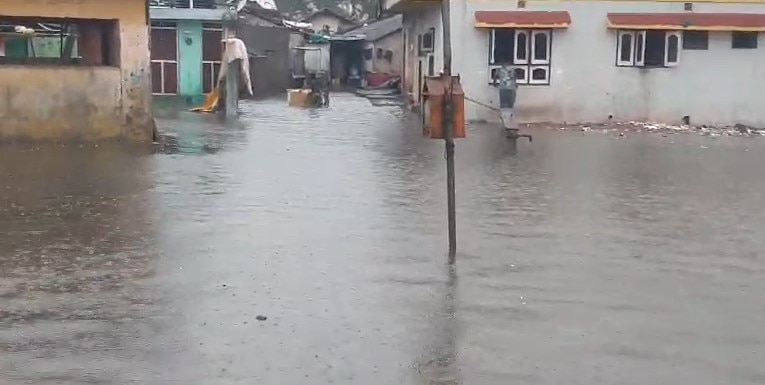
point(294, 39)
point(715, 86)
point(196, 47)
point(393, 43)
point(270, 68)
point(419, 21)
point(73, 103)
point(190, 58)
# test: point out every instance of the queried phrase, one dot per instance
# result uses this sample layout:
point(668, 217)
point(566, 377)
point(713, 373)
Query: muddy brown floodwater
point(583, 259)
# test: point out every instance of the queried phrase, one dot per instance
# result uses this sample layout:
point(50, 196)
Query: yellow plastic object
point(211, 102)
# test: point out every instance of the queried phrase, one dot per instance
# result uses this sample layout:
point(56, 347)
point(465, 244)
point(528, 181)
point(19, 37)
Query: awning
point(522, 19)
point(688, 21)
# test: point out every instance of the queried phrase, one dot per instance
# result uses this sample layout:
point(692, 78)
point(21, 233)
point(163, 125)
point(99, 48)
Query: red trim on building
point(688, 21)
point(522, 19)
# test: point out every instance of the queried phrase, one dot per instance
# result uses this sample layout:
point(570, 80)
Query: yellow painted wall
point(84, 9)
point(73, 102)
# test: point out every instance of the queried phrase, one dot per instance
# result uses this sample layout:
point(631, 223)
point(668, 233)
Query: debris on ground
point(739, 130)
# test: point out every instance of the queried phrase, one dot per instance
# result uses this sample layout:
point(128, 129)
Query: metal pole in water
point(233, 68)
point(449, 131)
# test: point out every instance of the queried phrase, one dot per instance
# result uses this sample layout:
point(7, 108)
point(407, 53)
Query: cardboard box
point(298, 97)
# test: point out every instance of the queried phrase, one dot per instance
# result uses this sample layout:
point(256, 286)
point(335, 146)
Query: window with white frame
point(647, 48)
point(526, 50)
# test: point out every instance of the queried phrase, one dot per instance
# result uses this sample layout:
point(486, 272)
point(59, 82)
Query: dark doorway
point(654, 48)
point(347, 62)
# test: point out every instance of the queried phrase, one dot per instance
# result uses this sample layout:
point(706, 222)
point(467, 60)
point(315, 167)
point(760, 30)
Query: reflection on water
point(593, 258)
point(440, 364)
point(75, 263)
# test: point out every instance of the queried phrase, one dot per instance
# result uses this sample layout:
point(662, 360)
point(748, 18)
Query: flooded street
point(582, 259)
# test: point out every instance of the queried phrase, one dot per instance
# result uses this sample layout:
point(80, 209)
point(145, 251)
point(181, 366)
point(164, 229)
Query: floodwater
point(583, 259)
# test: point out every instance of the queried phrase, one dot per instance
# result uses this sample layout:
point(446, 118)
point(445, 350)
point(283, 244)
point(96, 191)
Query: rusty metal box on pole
point(433, 92)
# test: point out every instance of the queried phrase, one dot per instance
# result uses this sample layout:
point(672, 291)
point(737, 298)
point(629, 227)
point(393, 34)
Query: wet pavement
point(584, 259)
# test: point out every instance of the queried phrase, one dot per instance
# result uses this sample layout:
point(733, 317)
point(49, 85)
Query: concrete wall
point(73, 103)
point(393, 42)
point(716, 86)
point(296, 40)
point(419, 20)
point(270, 69)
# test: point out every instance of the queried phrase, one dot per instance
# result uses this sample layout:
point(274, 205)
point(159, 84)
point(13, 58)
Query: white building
point(591, 61)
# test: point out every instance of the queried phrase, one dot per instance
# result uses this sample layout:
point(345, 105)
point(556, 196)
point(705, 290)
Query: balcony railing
point(187, 4)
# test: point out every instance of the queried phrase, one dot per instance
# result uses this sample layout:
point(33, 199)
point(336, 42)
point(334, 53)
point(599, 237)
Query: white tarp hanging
point(236, 50)
point(296, 24)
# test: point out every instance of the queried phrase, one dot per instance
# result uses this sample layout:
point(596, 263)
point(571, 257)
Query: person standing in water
point(508, 89)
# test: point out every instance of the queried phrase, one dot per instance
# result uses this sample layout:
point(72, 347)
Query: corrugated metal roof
point(378, 29)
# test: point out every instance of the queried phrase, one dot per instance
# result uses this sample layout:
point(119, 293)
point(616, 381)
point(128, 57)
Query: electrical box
point(434, 93)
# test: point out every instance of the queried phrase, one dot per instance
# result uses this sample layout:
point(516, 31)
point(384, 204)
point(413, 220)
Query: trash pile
point(634, 126)
point(737, 130)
